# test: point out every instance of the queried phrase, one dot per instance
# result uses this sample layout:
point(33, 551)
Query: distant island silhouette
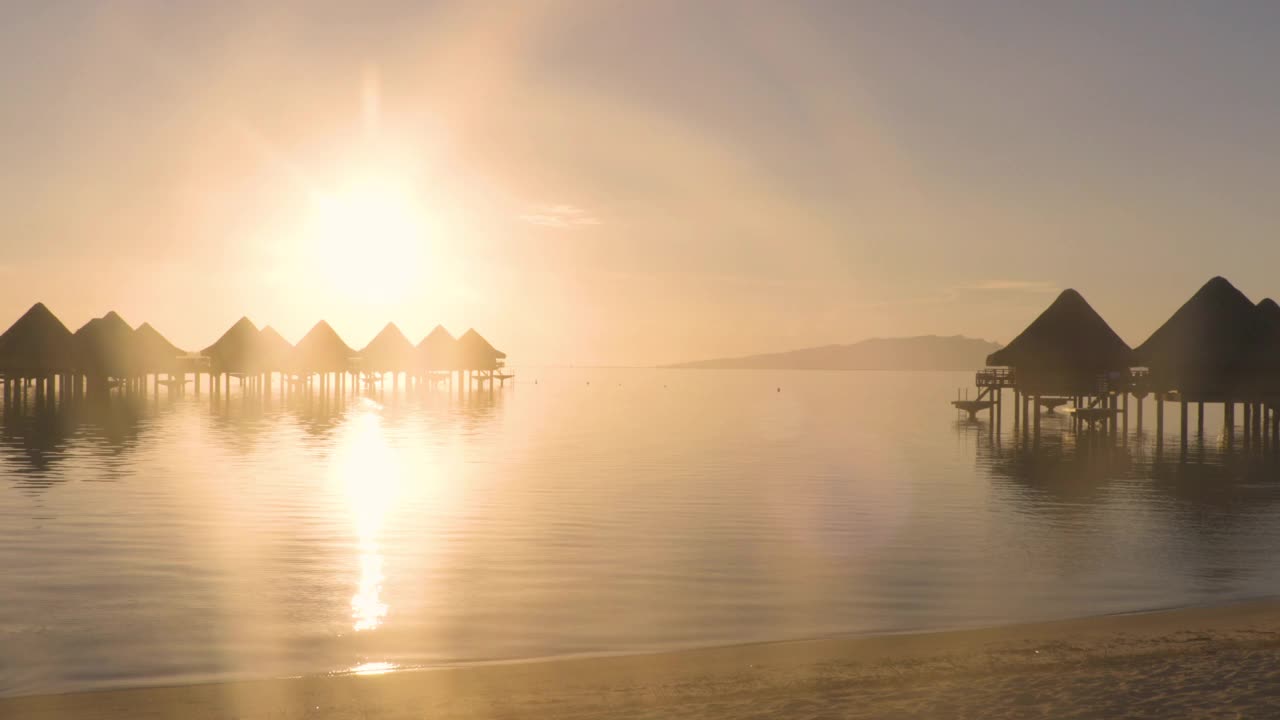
point(925, 352)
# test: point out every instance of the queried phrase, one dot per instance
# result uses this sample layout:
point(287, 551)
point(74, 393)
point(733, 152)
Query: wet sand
point(1212, 662)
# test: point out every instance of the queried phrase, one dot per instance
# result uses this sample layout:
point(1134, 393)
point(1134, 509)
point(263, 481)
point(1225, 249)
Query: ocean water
point(587, 511)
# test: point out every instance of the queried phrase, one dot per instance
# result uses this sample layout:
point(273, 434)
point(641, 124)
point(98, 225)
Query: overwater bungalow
point(237, 352)
point(1217, 348)
point(155, 354)
point(389, 351)
point(1068, 351)
point(106, 351)
point(1266, 382)
point(275, 353)
point(438, 351)
point(475, 353)
point(321, 350)
point(38, 346)
point(1208, 350)
point(1269, 312)
point(109, 353)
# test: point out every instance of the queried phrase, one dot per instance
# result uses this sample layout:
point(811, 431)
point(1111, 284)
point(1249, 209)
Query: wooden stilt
point(1229, 423)
point(1125, 411)
point(1247, 430)
point(1036, 409)
point(1026, 415)
point(1255, 427)
point(1159, 418)
point(1183, 426)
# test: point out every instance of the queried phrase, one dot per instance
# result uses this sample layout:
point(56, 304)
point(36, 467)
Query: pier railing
point(995, 377)
point(1133, 380)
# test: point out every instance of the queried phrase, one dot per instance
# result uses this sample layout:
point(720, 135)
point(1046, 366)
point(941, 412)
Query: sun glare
point(369, 238)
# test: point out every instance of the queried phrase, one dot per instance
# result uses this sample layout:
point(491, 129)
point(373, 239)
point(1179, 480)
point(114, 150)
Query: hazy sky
point(635, 182)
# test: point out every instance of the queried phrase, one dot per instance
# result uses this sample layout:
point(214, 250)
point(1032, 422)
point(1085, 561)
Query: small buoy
point(779, 389)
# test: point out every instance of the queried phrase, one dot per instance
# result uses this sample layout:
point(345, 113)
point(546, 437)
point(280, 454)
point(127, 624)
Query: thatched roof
point(37, 343)
point(390, 350)
point(106, 346)
point(1213, 333)
point(438, 350)
point(321, 350)
point(1269, 317)
point(155, 352)
point(237, 350)
point(276, 351)
point(1268, 349)
point(475, 353)
point(1068, 337)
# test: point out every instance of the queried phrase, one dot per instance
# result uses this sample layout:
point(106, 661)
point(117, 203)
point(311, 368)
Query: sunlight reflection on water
point(370, 472)
point(647, 510)
point(373, 668)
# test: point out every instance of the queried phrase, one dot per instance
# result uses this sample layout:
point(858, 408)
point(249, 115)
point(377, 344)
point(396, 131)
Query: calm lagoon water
point(596, 511)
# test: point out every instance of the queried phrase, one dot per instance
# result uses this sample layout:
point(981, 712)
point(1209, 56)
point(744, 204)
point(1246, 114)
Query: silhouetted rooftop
point(321, 350)
point(275, 351)
point(37, 342)
point(1269, 315)
point(238, 350)
point(474, 352)
point(154, 351)
point(1268, 349)
point(1215, 331)
point(438, 350)
point(390, 350)
point(1069, 336)
point(106, 346)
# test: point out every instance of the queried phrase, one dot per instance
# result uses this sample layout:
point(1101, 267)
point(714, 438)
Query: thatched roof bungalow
point(475, 353)
point(237, 351)
point(1268, 333)
point(37, 344)
point(438, 350)
point(321, 350)
point(1065, 350)
point(1207, 350)
point(105, 347)
point(275, 351)
point(390, 351)
point(1266, 359)
point(155, 354)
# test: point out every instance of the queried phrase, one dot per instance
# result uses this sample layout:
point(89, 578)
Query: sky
point(630, 183)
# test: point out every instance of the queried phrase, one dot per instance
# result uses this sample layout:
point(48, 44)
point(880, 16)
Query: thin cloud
point(559, 216)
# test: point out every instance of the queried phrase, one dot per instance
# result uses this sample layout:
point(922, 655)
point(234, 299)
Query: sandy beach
point(1210, 662)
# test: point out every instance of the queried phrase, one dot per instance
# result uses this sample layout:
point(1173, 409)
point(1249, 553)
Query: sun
point(368, 237)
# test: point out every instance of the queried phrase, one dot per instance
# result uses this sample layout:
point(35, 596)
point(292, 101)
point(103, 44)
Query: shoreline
point(606, 655)
point(1101, 663)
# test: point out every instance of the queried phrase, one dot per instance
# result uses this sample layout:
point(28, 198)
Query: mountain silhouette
point(927, 352)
